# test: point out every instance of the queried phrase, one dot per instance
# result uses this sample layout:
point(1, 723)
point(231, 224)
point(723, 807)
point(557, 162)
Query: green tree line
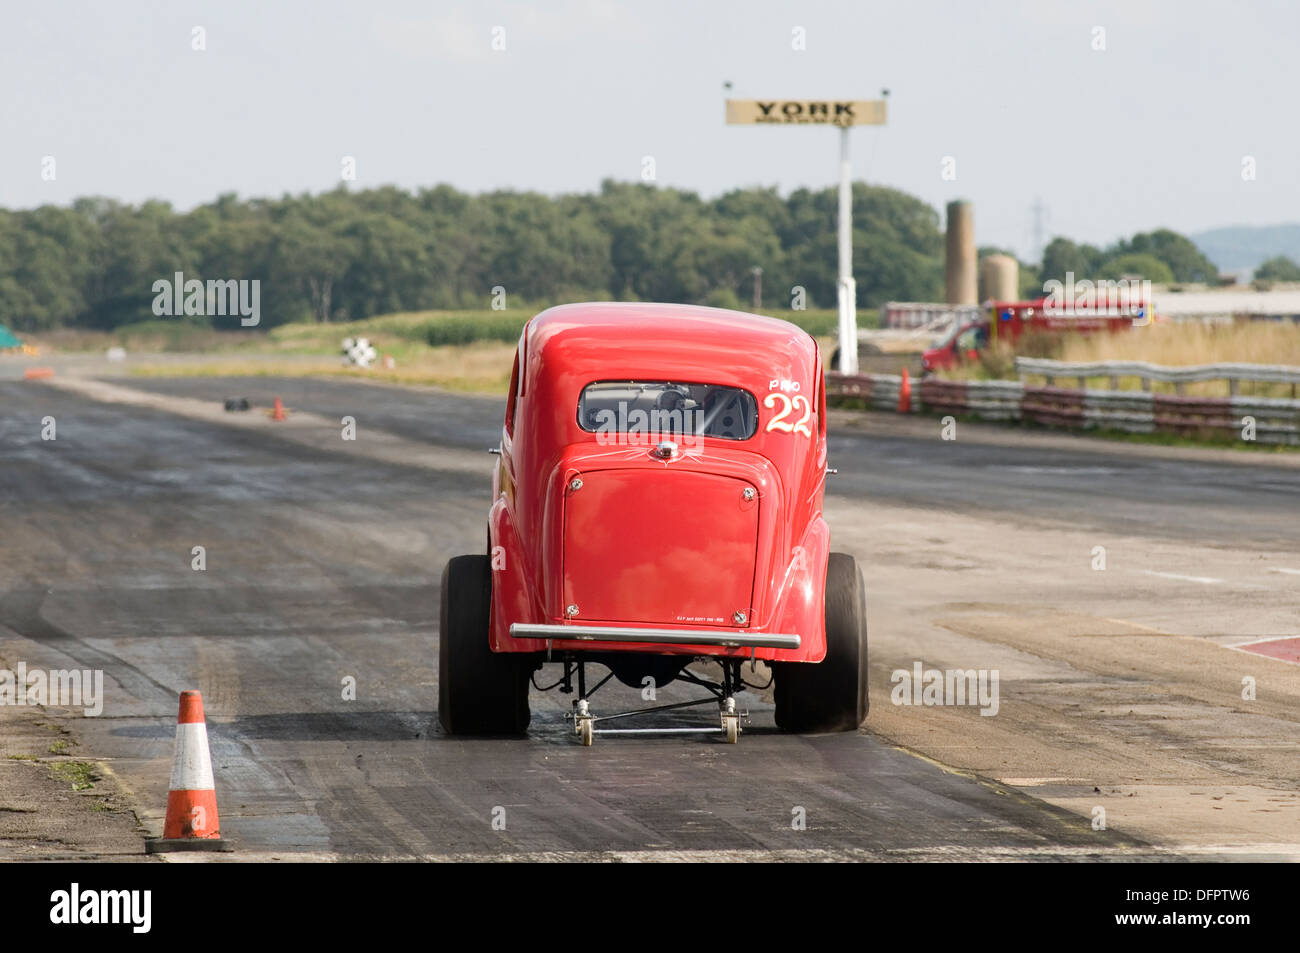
point(347, 255)
point(1161, 257)
point(1278, 268)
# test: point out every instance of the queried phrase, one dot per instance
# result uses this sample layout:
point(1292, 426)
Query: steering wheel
point(671, 398)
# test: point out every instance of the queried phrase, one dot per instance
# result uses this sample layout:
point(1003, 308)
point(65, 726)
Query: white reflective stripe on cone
point(192, 767)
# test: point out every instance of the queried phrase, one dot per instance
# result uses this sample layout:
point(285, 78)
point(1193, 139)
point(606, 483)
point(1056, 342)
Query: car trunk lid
point(658, 546)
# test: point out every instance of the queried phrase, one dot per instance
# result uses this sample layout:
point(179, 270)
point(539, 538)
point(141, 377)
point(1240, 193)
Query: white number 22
point(778, 421)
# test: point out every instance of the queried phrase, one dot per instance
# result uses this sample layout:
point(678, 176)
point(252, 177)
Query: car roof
point(626, 339)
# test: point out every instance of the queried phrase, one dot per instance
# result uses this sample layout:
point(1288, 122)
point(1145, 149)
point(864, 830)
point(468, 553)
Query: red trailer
point(1008, 320)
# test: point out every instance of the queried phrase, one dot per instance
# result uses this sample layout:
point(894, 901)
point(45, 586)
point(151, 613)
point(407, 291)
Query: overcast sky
point(1151, 131)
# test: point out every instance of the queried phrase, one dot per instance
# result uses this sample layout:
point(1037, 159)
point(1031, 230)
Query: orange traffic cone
point(192, 822)
point(277, 410)
point(905, 394)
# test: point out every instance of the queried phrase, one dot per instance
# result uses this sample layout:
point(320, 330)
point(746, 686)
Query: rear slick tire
point(480, 692)
point(830, 695)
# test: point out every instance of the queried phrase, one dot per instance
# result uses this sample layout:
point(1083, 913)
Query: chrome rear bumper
point(729, 638)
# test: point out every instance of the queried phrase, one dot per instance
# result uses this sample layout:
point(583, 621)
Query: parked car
point(657, 500)
point(959, 344)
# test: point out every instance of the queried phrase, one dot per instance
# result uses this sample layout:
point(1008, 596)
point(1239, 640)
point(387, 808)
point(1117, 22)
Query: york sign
point(779, 112)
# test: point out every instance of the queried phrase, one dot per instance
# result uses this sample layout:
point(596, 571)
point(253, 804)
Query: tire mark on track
point(21, 612)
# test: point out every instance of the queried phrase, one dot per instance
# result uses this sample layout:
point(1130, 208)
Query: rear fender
point(802, 606)
point(510, 590)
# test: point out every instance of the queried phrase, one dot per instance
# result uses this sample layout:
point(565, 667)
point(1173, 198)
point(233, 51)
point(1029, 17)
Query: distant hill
point(1242, 248)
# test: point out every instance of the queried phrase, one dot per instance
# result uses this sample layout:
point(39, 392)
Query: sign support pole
point(846, 287)
point(845, 114)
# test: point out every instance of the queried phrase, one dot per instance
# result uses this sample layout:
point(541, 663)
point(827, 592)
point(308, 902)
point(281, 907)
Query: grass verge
point(80, 774)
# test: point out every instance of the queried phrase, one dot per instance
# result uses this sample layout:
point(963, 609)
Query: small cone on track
point(905, 394)
point(192, 822)
point(277, 410)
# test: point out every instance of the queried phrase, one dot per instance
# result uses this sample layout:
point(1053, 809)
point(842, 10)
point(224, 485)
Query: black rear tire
point(480, 692)
point(830, 695)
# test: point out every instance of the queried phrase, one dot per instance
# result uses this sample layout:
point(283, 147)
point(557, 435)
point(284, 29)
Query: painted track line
point(1204, 580)
point(950, 854)
point(1281, 648)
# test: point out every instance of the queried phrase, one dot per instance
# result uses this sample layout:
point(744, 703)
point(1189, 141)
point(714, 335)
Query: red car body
point(658, 500)
point(645, 542)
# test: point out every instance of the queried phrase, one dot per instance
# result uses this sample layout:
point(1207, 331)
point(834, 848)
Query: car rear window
point(668, 408)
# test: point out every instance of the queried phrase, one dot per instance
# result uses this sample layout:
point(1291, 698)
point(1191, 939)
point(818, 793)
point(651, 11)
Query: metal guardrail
point(994, 400)
point(1272, 419)
point(1192, 374)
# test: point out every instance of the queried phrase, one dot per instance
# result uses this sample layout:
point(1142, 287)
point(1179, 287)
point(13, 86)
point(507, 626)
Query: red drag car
point(658, 499)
